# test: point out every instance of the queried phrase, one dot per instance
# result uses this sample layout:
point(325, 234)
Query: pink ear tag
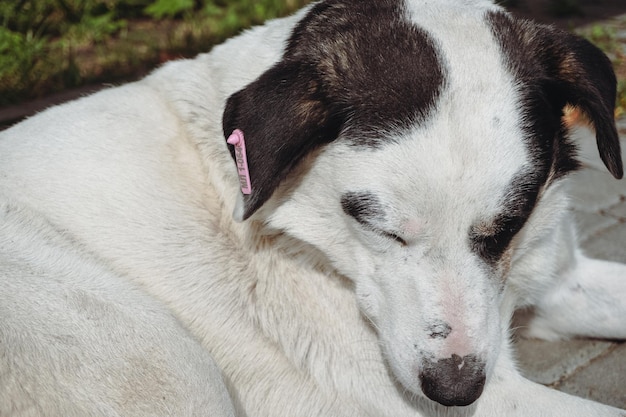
point(236, 139)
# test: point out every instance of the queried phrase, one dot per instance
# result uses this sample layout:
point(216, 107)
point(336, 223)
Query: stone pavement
point(594, 369)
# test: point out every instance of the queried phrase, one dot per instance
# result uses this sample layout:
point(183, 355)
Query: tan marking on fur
point(573, 116)
point(486, 229)
point(569, 68)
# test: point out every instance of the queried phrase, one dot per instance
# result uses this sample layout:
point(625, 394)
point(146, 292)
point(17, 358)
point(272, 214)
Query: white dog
point(396, 170)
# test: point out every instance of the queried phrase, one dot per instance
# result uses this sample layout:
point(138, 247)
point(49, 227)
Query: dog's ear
point(283, 115)
point(582, 76)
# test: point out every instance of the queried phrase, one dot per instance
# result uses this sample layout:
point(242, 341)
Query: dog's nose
point(455, 381)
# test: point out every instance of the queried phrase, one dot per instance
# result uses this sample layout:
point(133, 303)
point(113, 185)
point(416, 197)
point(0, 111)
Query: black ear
point(582, 76)
point(283, 115)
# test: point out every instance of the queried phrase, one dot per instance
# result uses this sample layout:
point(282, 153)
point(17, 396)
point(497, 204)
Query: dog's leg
point(510, 394)
point(587, 299)
point(572, 294)
point(76, 339)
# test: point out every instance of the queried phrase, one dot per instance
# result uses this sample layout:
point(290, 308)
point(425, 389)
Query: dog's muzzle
point(455, 381)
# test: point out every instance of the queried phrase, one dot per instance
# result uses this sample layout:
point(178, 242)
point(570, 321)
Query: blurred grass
point(52, 45)
point(606, 38)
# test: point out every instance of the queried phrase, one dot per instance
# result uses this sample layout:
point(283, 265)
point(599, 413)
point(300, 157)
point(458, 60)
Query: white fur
point(123, 275)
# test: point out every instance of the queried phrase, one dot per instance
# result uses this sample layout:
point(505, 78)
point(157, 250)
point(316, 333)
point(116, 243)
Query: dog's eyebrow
point(365, 207)
point(490, 239)
point(522, 195)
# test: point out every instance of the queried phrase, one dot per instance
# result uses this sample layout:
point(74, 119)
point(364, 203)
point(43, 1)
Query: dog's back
point(79, 340)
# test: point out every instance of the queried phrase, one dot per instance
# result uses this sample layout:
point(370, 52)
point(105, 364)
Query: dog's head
point(410, 143)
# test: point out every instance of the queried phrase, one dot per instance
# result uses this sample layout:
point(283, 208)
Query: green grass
point(52, 45)
point(605, 38)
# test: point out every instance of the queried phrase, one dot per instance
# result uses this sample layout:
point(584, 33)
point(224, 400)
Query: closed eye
point(393, 236)
point(369, 211)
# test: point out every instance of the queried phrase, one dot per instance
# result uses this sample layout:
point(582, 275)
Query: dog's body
point(369, 266)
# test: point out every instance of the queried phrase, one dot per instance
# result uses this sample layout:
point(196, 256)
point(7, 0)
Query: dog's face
point(412, 145)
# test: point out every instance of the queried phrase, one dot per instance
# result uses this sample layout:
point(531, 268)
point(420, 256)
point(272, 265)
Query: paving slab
point(551, 362)
point(608, 244)
point(603, 379)
point(590, 225)
point(593, 369)
point(594, 191)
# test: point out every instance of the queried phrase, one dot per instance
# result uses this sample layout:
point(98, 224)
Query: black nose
point(455, 381)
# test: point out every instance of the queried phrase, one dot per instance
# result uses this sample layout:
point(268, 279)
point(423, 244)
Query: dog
point(333, 214)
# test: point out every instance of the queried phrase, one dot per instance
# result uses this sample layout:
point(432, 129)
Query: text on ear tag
point(236, 139)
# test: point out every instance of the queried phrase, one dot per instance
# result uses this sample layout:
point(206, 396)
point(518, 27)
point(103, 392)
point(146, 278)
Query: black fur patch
point(490, 238)
point(382, 70)
point(367, 209)
point(364, 207)
point(555, 68)
point(350, 66)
